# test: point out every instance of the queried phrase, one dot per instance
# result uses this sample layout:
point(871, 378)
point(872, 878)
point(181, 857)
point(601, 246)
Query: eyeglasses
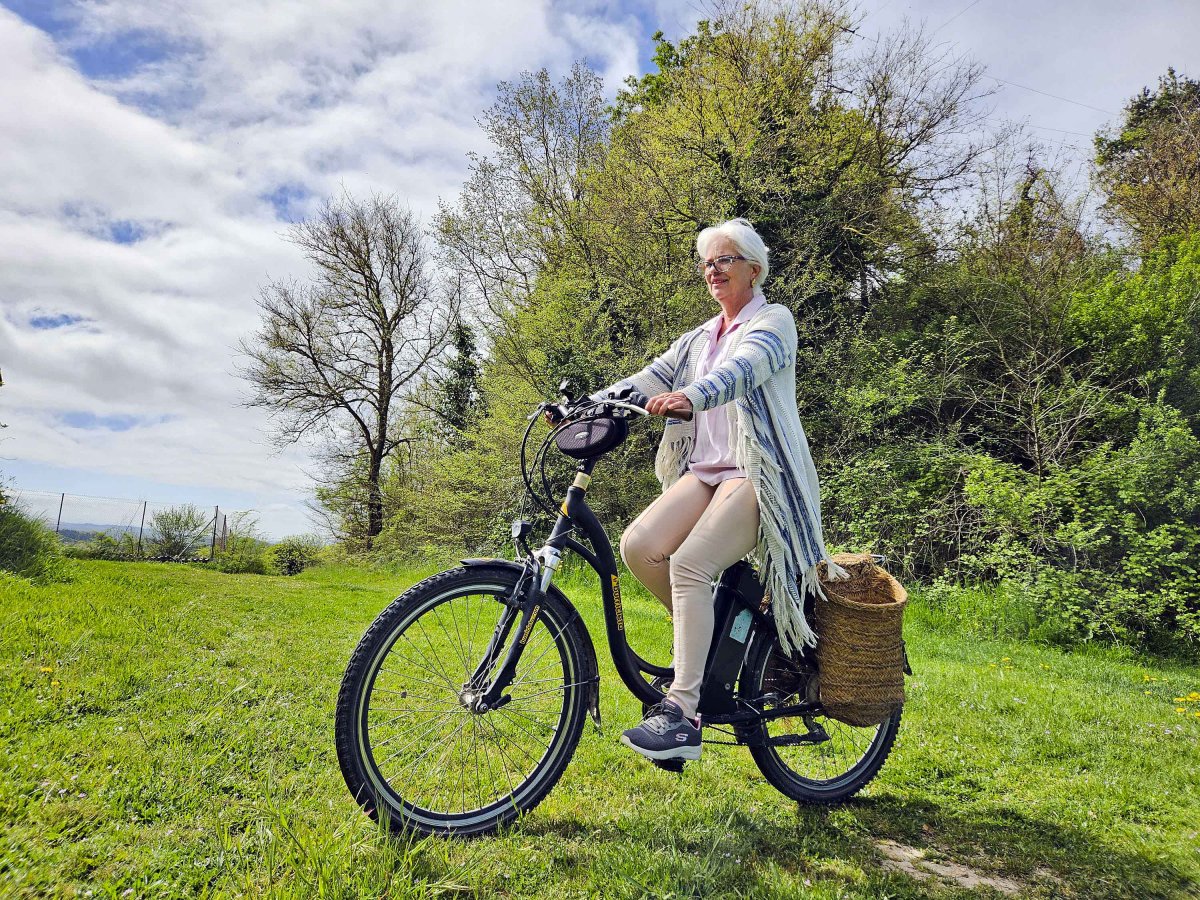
point(722, 264)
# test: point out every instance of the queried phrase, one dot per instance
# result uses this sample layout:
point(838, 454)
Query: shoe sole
point(670, 753)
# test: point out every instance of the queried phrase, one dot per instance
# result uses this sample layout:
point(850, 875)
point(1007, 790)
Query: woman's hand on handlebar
point(672, 405)
point(555, 414)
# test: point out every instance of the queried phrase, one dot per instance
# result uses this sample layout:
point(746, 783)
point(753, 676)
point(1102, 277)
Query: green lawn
point(167, 731)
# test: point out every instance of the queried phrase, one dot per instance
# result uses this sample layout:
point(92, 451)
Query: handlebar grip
point(555, 413)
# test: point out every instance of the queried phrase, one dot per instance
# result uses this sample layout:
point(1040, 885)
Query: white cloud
point(243, 100)
point(178, 158)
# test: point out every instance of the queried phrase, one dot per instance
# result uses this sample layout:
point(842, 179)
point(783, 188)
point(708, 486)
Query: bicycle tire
point(845, 763)
point(405, 805)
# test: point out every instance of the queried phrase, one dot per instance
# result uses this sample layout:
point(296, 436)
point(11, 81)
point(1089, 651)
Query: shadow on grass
point(1020, 845)
point(1048, 859)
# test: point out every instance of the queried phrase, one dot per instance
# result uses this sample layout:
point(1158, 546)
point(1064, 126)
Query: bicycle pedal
point(669, 765)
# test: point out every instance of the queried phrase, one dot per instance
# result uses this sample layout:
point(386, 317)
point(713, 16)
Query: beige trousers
point(678, 545)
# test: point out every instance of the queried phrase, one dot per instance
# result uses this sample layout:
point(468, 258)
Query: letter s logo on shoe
point(680, 737)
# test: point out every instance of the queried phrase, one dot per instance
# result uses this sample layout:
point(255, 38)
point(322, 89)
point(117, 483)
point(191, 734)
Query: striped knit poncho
point(757, 385)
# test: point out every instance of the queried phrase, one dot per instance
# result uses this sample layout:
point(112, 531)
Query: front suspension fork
point(527, 600)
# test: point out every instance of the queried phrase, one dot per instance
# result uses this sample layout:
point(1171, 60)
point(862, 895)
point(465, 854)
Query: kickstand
point(669, 765)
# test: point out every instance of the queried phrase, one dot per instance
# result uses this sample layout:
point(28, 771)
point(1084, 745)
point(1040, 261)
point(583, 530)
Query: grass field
point(167, 731)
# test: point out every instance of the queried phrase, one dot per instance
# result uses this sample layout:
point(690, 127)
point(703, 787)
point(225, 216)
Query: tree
point(178, 530)
point(771, 111)
point(520, 216)
point(335, 355)
point(575, 234)
point(461, 403)
point(1150, 167)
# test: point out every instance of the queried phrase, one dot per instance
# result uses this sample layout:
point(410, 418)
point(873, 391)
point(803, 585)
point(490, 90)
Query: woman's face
point(735, 285)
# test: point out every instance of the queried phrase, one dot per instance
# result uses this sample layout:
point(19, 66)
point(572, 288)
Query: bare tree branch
point(337, 352)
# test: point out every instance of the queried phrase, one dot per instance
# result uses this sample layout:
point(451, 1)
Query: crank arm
point(755, 716)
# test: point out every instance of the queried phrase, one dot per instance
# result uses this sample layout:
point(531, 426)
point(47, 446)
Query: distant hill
point(77, 532)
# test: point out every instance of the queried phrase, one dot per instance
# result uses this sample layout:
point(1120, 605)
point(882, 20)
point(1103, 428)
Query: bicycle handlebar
point(684, 416)
point(634, 401)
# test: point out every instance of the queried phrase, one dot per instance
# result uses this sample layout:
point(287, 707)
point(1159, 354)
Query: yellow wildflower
point(47, 669)
point(1180, 709)
point(1194, 695)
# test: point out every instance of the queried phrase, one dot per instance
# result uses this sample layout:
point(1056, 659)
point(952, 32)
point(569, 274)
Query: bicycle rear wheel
point(813, 759)
point(411, 748)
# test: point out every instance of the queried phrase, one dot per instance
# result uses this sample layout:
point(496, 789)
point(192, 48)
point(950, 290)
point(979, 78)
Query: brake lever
point(632, 407)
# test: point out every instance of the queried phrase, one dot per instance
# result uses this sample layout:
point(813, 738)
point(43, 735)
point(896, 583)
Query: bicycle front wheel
point(414, 751)
point(813, 759)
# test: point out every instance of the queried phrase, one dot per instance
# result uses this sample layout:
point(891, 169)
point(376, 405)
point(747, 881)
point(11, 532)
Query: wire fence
point(141, 529)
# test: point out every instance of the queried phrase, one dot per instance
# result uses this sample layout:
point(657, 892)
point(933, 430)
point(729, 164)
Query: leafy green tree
point(576, 235)
point(460, 402)
point(1148, 165)
point(178, 531)
point(1142, 328)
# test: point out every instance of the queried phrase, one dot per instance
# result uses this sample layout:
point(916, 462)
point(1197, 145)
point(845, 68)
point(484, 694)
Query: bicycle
point(465, 699)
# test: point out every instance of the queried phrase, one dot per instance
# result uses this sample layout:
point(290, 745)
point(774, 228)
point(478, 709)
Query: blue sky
point(155, 150)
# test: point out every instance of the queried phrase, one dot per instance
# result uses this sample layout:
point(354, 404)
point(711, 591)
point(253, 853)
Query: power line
point(1026, 87)
point(1042, 127)
point(955, 16)
point(1063, 130)
point(1107, 112)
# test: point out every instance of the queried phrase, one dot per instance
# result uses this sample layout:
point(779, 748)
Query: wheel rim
point(430, 758)
point(828, 765)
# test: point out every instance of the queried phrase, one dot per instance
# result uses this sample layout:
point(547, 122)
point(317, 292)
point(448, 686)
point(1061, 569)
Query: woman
point(736, 473)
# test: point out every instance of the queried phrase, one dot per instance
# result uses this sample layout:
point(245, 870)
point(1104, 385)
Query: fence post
point(141, 528)
point(212, 550)
point(58, 524)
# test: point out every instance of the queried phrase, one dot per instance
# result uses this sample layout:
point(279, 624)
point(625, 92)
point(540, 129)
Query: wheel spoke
point(436, 758)
point(561, 687)
point(832, 769)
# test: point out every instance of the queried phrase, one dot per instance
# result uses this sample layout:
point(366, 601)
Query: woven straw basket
point(860, 650)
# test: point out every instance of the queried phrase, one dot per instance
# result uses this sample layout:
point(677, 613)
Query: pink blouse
point(712, 457)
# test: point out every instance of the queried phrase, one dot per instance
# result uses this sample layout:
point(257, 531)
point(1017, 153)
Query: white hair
point(743, 235)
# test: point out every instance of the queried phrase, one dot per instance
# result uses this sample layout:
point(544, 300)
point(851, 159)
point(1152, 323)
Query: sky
point(154, 152)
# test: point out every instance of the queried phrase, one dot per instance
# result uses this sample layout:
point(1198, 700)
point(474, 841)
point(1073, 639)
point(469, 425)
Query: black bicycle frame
point(740, 619)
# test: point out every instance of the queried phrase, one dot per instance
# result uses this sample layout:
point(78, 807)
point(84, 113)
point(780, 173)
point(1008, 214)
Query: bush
point(245, 550)
point(1108, 547)
point(293, 555)
point(104, 546)
point(178, 531)
point(242, 563)
point(27, 548)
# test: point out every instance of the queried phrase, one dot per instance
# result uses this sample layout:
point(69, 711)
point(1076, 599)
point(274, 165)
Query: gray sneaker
point(665, 734)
